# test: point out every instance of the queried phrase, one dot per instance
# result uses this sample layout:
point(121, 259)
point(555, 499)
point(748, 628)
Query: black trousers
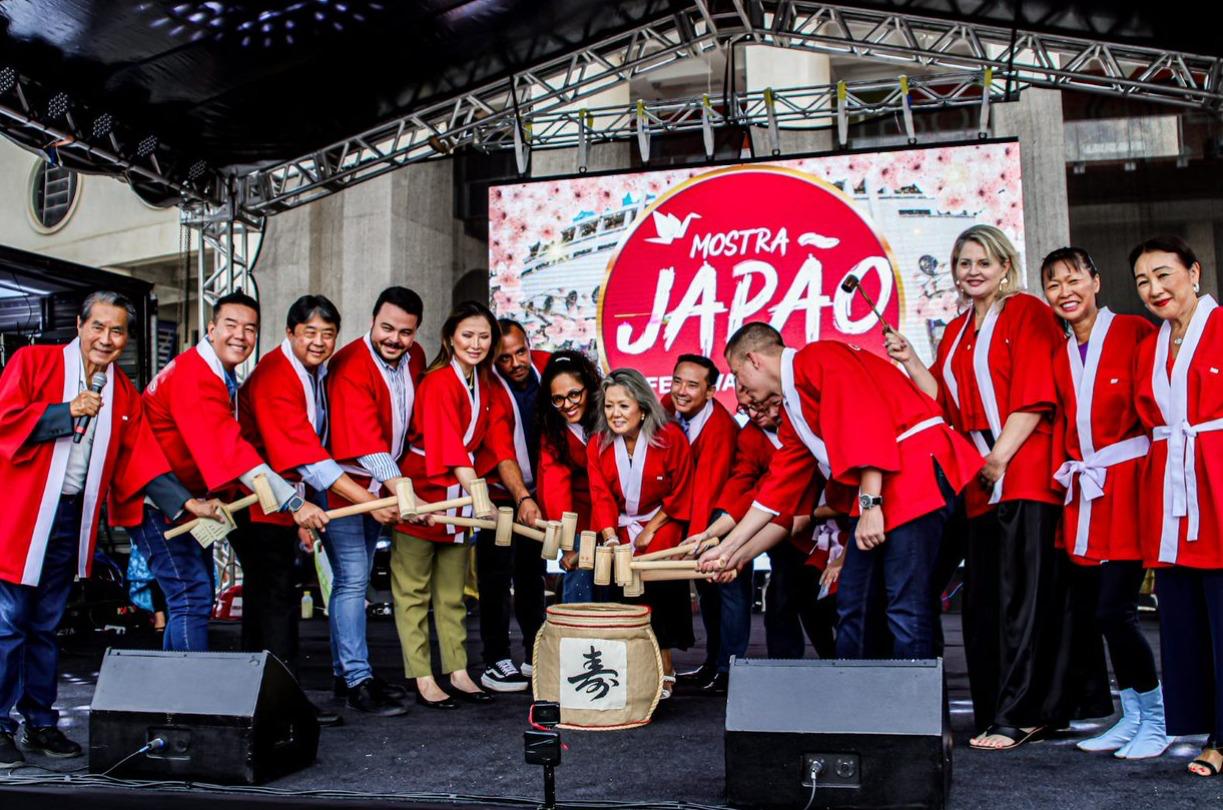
point(1191, 645)
point(496, 568)
point(1035, 656)
point(792, 607)
point(271, 600)
point(1116, 584)
point(710, 597)
point(670, 604)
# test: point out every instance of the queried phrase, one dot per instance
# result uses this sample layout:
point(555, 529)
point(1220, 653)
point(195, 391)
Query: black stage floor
point(477, 750)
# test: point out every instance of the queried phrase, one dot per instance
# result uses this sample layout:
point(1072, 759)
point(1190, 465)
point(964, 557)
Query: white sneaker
point(526, 670)
point(504, 677)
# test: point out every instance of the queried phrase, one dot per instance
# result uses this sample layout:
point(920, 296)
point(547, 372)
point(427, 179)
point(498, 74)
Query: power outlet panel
point(835, 770)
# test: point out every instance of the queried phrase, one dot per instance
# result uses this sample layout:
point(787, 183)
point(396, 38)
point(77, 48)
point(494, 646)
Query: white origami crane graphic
point(670, 228)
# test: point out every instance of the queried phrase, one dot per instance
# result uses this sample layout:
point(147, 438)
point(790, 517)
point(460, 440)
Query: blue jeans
point(736, 616)
point(183, 570)
point(29, 616)
point(904, 566)
point(349, 543)
point(579, 586)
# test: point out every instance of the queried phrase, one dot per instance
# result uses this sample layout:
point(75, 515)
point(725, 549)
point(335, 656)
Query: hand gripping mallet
point(404, 499)
point(852, 283)
point(231, 507)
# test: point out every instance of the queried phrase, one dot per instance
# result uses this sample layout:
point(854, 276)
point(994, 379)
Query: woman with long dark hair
point(570, 386)
point(991, 376)
point(1180, 402)
point(1099, 432)
point(455, 438)
point(640, 469)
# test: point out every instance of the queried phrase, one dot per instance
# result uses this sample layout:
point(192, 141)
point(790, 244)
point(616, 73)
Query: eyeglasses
point(572, 398)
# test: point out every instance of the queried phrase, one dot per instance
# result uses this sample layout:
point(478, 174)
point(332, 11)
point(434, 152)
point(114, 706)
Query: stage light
point(103, 125)
point(196, 171)
point(57, 106)
point(8, 79)
point(146, 146)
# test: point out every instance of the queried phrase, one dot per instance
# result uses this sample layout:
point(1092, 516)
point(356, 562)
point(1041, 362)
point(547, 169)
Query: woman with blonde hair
point(640, 469)
point(991, 377)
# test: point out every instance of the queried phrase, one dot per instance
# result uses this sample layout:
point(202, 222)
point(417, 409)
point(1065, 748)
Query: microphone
point(82, 422)
point(852, 283)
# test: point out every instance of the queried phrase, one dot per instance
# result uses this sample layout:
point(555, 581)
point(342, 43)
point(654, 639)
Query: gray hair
point(110, 297)
point(631, 380)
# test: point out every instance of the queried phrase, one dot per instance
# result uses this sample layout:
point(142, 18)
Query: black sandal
point(1018, 737)
point(1205, 763)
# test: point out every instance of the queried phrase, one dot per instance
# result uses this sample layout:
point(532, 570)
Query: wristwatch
point(869, 501)
point(295, 503)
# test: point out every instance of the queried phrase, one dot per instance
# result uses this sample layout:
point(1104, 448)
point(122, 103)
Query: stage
point(474, 756)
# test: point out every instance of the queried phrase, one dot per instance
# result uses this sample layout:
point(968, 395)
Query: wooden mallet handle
point(404, 498)
point(241, 503)
point(664, 565)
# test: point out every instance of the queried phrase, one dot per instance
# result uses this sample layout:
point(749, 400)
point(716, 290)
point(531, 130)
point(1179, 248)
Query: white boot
point(1152, 738)
point(1121, 733)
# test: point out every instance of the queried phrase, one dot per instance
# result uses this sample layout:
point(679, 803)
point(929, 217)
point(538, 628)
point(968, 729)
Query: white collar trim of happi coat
point(73, 363)
point(1172, 396)
point(521, 453)
point(794, 409)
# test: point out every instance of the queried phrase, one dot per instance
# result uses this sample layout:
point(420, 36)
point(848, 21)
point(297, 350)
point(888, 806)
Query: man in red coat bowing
point(726, 609)
point(283, 409)
point(65, 451)
point(192, 409)
point(371, 390)
point(516, 397)
point(858, 416)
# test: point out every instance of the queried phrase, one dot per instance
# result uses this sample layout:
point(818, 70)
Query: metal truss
point(540, 107)
point(228, 246)
point(64, 129)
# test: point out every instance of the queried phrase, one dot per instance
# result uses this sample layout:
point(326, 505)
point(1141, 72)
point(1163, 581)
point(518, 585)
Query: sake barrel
point(600, 662)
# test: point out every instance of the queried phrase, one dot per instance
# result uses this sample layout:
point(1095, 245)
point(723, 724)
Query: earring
point(1197, 288)
point(1004, 281)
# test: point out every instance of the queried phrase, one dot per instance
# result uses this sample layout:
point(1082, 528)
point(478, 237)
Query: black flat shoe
point(364, 698)
point(444, 703)
point(699, 677)
point(718, 685)
point(327, 718)
point(472, 697)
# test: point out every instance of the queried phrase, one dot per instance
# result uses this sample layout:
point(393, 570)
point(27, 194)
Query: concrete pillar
point(1036, 119)
point(780, 68)
point(397, 229)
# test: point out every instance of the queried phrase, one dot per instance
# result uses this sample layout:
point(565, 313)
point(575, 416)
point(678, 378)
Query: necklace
point(1178, 341)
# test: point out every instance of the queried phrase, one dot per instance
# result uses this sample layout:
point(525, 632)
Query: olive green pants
point(424, 572)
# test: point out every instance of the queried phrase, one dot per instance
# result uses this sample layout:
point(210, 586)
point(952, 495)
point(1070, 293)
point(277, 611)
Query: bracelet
point(527, 497)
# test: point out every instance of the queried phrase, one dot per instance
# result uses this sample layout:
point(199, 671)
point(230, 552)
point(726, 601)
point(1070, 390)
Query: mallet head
point(407, 498)
point(505, 526)
point(481, 506)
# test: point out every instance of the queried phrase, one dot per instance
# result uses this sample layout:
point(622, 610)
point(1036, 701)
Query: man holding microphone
point(72, 438)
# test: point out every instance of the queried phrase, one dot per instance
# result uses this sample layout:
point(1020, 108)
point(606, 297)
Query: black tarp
point(238, 84)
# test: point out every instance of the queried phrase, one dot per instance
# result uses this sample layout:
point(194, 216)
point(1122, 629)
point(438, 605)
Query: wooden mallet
point(603, 563)
point(478, 500)
point(404, 498)
point(502, 522)
point(234, 506)
point(586, 551)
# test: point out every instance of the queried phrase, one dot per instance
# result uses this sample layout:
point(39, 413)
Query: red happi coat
point(125, 457)
point(846, 409)
point(451, 428)
point(1097, 420)
point(711, 435)
point(1181, 407)
point(507, 406)
point(1011, 351)
point(564, 485)
point(362, 415)
point(277, 411)
point(658, 477)
point(189, 410)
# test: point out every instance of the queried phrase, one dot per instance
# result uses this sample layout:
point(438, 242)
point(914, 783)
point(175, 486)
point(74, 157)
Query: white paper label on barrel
point(594, 674)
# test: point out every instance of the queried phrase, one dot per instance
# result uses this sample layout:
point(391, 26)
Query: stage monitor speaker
point(227, 718)
point(877, 731)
